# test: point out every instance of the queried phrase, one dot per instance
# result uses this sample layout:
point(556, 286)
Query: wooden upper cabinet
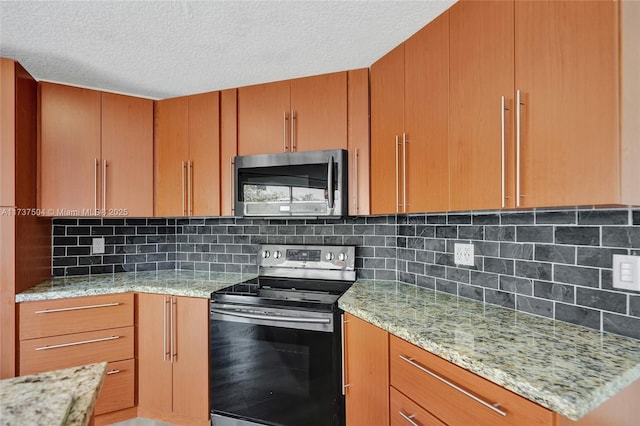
point(358, 141)
point(481, 74)
point(69, 149)
point(409, 124)
point(303, 114)
point(263, 118)
point(319, 108)
point(127, 156)
point(366, 373)
point(566, 65)
point(228, 148)
point(187, 149)
point(387, 122)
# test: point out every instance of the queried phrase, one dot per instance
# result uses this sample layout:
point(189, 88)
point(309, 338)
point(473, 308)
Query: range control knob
point(329, 256)
point(342, 256)
point(277, 254)
point(266, 254)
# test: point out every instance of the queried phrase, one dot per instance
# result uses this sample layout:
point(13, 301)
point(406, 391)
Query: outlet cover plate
point(626, 272)
point(98, 245)
point(463, 254)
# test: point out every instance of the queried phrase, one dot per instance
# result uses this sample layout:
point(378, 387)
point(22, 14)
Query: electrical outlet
point(463, 254)
point(98, 245)
point(626, 272)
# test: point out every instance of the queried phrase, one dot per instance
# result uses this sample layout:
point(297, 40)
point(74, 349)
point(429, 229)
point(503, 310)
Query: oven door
point(274, 367)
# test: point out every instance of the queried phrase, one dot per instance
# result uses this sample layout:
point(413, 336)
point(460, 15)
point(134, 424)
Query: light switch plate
point(463, 254)
point(98, 245)
point(626, 272)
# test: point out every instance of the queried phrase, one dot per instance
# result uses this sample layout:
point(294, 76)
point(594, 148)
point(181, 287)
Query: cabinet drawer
point(52, 353)
point(405, 412)
point(118, 389)
point(74, 315)
point(465, 399)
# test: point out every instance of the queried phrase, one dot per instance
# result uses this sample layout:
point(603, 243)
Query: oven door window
point(273, 375)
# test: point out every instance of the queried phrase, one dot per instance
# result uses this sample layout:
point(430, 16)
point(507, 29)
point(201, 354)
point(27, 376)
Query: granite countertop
point(61, 397)
point(175, 283)
point(566, 368)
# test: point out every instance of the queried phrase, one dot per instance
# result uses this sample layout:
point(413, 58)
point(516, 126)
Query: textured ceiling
point(161, 49)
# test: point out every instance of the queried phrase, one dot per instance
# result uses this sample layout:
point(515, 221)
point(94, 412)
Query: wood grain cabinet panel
point(228, 148)
point(187, 156)
point(173, 352)
point(366, 373)
point(409, 122)
point(404, 411)
point(358, 141)
point(118, 390)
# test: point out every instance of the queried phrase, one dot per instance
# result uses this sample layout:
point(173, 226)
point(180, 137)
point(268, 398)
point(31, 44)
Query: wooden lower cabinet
point(173, 358)
point(404, 411)
point(366, 353)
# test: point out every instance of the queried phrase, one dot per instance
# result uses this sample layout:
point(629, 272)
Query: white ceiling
point(161, 49)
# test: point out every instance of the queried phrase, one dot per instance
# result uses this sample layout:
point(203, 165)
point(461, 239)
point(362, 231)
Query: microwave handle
point(330, 183)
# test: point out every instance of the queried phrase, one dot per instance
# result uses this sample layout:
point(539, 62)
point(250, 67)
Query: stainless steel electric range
point(276, 341)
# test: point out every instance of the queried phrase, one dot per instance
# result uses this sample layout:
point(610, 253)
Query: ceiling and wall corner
point(162, 49)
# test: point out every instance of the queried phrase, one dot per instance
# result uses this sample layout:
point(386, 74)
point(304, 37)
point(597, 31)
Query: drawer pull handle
point(408, 418)
point(493, 407)
point(112, 372)
point(84, 342)
point(77, 308)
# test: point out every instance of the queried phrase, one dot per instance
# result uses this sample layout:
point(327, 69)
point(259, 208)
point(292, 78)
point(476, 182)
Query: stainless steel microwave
point(303, 184)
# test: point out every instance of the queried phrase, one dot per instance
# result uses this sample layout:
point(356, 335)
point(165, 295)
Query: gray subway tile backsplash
point(550, 262)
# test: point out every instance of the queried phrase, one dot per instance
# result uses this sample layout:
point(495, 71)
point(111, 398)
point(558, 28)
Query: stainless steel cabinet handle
point(184, 211)
point(408, 418)
point(502, 138)
point(77, 308)
point(518, 111)
point(104, 187)
point(404, 172)
point(165, 352)
point(231, 194)
point(356, 181)
point(344, 359)
point(190, 188)
point(284, 132)
point(397, 177)
point(272, 317)
point(293, 131)
point(83, 342)
point(95, 185)
point(492, 407)
point(174, 349)
point(109, 373)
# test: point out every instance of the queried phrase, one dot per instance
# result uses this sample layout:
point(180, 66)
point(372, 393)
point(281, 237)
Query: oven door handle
point(272, 317)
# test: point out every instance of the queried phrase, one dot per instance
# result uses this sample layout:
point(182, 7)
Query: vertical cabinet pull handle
point(502, 139)
point(165, 352)
point(174, 350)
point(231, 194)
point(104, 187)
point(518, 136)
point(404, 172)
point(492, 407)
point(190, 188)
point(356, 181)
point(284, 132)
point(184, 211)
point(344, 358)
point(397, 176)
point(293, 131)
point(95, 185)
point(408, 418)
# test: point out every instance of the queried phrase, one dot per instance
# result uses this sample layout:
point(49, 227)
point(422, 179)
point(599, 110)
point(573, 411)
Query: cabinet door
point(228, 148)
point(154, 364)
point(426, 100)
point(69, 149)
point(203, 198)
point(566, 69)
point(171, 155)
point(127, 156)
point(191, 365)
point(263, 118)
point(319, 108)
point(387, 123)
point(366, 373)
point(481, 73)
point(358, 141)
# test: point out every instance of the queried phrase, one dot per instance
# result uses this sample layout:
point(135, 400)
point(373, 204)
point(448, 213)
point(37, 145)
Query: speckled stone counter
point(566, 368)
point(61, 397)
point(174, 283)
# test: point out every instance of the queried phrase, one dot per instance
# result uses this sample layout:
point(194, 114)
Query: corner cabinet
point(173, 358)
point(409, 124)
point(187, 156)
point(92, 146)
